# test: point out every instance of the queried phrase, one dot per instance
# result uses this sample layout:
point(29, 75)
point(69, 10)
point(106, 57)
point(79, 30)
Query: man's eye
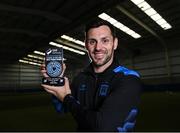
point(105, 41)
point(92, 42)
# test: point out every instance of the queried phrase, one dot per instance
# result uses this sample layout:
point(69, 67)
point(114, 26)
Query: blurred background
point(149, 36)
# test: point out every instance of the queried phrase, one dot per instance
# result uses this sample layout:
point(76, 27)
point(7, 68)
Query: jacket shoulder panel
point(126, 71)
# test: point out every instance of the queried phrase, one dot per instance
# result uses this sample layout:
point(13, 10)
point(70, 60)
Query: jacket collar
point(109, 70)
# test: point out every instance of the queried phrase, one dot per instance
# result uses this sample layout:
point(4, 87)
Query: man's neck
point(100, 69)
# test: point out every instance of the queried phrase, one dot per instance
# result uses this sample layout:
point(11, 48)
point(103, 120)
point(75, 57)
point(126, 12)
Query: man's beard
point(101, 63)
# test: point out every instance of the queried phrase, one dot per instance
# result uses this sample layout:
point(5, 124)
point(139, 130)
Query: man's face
point(101, 45)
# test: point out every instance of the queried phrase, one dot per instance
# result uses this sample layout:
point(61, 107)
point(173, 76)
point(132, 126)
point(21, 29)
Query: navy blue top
point(106, 101)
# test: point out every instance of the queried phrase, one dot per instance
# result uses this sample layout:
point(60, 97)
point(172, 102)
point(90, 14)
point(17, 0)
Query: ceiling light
point(156, 17)
point(112, 20)
point(29, 62)
point(150, 11)
point(146, 8)
point(166, 26)
point(161, 21)
point(137, 1)
point(35, 57)
point(118, 25)
point(70, 44)
point(124, 28)
point(32, 60)
point(135, 35)
point(73, 40)
point(38, 52)
point(144, 5)
point(67, 48)
point(130, 32)
point(104, 16)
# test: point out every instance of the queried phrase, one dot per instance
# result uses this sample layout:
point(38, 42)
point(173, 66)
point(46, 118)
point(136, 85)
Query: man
point(105, 96)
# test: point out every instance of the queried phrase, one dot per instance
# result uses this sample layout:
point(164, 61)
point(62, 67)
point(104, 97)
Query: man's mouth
point(98, 55)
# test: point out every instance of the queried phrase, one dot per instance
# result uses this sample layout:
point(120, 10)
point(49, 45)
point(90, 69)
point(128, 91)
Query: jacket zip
point(96, 91)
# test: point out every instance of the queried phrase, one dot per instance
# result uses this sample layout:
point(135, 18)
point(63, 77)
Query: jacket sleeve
point(113, 112)
point(58, 105)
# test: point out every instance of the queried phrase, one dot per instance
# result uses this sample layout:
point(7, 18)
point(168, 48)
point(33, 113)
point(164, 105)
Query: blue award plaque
point(54, 67)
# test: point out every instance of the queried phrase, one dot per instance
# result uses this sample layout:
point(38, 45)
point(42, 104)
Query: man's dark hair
point(99, 22)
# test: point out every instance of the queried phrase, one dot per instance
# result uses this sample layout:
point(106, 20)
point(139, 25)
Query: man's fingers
point(42, 67)
point(64, 68)
point(48, 87)
point(53, 88)
point(50, 91)
point(68, 90)
point(66, 81)
point(43, 70)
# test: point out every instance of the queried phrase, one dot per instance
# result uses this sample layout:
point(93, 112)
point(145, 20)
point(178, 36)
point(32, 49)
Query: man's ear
point(85, 44)
point(86, 48)
point(115, 43)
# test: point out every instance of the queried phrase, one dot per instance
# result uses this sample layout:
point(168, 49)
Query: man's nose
point(98, 46)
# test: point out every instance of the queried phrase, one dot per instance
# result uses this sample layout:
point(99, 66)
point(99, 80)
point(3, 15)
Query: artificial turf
point(159, 111)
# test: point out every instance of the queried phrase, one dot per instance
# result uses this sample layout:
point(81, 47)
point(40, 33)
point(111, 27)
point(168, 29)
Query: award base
point(59, 81)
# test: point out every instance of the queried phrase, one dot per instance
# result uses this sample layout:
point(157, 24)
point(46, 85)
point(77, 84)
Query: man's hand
point(59, 91)
point(43, 71)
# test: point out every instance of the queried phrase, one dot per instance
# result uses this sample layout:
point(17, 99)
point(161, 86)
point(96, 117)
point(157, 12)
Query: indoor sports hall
point(149, 43)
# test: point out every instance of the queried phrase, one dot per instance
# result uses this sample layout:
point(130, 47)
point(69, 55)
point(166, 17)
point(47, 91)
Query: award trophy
point(54, 67)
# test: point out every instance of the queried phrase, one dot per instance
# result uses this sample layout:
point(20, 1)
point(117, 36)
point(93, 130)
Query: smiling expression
point(101, 45)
